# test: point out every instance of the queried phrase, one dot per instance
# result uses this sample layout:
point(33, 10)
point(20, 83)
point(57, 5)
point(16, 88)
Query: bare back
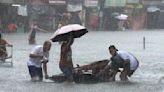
point(66, 56)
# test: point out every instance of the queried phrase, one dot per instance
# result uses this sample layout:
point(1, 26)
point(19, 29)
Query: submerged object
point(84, 74)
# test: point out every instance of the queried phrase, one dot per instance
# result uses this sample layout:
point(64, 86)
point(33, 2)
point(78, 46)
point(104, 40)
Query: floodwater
point(91, 47)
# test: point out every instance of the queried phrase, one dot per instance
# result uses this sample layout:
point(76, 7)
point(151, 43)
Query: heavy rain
point(135, 26)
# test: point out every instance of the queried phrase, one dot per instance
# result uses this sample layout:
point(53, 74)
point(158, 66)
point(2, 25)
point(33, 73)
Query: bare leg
point(123, 75)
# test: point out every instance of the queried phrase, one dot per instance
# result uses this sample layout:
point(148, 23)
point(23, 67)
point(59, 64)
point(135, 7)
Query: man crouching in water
point(65, 64)
point(122, 59)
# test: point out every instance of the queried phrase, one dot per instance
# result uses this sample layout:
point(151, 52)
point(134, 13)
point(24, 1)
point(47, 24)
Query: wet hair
point(112, 46)
point(47, 42)
point(46, 45)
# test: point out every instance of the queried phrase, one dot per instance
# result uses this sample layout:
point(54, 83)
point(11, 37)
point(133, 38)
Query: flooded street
point(91, 47)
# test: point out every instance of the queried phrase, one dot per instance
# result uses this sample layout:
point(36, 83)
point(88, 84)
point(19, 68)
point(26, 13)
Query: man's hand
point(44, 60)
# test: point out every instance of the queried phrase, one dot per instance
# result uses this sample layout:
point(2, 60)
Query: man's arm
point(45, 70)
point(40, 29)
point(126, 63)
point(1, 50)
point(69, 43)
point(70, 40)
point(9, 44)
point(35, 56)
point(105, 69)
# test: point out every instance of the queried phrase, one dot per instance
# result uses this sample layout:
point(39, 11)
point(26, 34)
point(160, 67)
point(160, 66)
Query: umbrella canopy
point(153, 9)
point(64, 32)
point(122, 17)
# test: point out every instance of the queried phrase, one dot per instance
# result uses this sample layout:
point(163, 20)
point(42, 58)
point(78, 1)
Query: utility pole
point(101, 3)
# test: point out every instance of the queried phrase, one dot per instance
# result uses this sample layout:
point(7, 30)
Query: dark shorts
point(66, 70)
point(35, 72)
point(130, 73)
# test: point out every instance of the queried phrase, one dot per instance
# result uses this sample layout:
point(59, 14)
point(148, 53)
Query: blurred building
point(94, 14)
point(91, 9)
point(154, 14)
point(136, 14)
point(9, 12)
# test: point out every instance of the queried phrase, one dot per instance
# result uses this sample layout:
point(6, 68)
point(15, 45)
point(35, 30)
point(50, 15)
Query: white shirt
point(133, 61)
point(37, 61)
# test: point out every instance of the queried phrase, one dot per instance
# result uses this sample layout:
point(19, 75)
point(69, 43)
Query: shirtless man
point(65, 63)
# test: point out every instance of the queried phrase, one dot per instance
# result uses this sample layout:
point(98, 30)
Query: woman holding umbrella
point(65, 63)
